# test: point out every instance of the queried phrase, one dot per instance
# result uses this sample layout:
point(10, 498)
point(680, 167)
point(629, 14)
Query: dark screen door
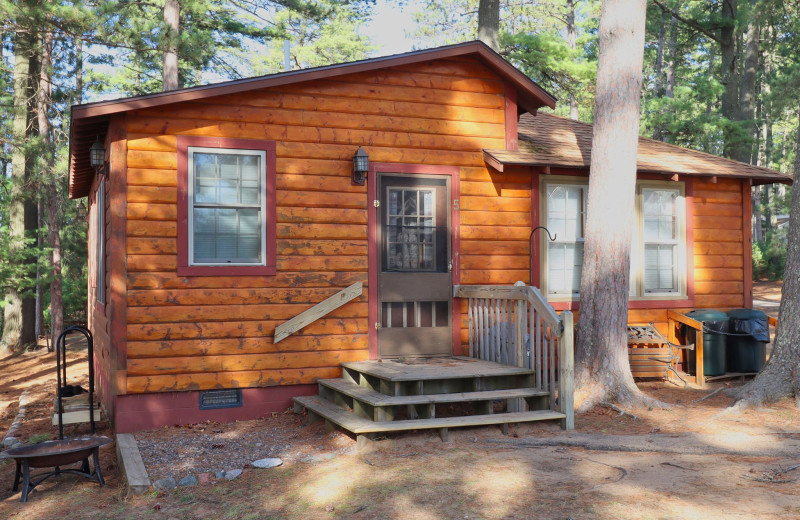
point(414, 281)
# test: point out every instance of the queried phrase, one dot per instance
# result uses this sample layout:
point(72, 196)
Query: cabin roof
point(90, 121)
point(550, 140)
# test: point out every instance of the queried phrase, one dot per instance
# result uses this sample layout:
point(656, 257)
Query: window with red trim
point(226, 206)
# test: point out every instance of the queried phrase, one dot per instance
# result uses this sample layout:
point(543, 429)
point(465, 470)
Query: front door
point(414, 281)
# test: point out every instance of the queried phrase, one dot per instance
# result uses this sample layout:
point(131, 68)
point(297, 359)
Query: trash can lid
point(707, 315)
point(746, 314)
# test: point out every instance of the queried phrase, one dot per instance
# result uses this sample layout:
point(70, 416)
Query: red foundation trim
point(146, 411)
point(372, 234)
point(184, 269)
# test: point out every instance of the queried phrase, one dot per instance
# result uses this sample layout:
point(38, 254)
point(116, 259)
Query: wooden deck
point(383, 396)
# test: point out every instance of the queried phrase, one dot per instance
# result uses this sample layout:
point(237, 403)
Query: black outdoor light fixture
point(81, 211)
point(360, 166)
point(97, 157)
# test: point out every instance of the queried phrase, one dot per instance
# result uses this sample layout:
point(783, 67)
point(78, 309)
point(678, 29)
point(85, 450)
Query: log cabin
point(219, 213)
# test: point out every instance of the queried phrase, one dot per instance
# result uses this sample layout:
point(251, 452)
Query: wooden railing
point(515, 325)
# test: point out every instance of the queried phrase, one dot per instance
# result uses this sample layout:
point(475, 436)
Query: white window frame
point(568, 183)
point(637, 290)
point(100, 234)
point(191, 150)
point(638, 260)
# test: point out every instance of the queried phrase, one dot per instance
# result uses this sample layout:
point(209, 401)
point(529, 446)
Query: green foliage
point(36, 438)
point(548, 60)
point(331, 37)
point(769, 258)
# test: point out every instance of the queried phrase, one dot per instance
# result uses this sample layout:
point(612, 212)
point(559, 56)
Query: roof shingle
point(549, 140)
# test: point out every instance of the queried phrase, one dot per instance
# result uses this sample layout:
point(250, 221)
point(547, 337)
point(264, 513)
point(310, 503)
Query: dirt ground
point(689, 461)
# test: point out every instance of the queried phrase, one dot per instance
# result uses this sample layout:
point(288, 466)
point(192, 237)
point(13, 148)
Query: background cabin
point(226, 210)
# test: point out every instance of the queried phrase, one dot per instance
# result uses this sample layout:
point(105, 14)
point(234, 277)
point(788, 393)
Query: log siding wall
point(209, 332)
point(204, 332)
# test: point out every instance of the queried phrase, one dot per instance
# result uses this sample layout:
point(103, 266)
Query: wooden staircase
point(375, 397)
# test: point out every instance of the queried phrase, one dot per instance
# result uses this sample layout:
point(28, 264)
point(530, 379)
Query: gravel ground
point(212, 447)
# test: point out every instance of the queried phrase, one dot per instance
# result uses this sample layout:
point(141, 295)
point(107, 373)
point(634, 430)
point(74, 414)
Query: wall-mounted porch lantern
point(360, 166)
point(97, 157)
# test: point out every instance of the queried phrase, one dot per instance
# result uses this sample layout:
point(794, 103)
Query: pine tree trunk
point(658, 131)
point(729, 75)
point(19, 312)
point(602, 367)
point(39, 323)
point(489, 23)
point(780, 377)
point(78, 71)
point(572, 38)
point(747, 96)
point(54, 239)
point(660, 44)
point(672, 59)
point(172, 10)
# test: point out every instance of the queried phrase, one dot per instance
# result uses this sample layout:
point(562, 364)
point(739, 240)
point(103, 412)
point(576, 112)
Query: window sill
point(227, 270)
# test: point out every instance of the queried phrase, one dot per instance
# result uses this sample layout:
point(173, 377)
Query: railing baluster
point(539, 367)
point(552, 383)
point(469, 326)
point(500, 317)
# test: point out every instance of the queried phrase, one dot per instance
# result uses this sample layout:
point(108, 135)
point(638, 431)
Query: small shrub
point(36, 438)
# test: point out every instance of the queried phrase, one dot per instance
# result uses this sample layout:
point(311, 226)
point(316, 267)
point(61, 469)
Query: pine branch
point(691, 23)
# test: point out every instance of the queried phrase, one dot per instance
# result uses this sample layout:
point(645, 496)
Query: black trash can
point(747, 340)
point(715, 325)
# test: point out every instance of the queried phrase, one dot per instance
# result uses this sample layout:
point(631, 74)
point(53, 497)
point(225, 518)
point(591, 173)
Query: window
point(658, 249)
point(661, 233)
point(566, 216)
point(100, 234)
point(226, 206)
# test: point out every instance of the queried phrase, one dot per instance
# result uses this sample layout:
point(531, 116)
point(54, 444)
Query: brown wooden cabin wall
point(194, 333)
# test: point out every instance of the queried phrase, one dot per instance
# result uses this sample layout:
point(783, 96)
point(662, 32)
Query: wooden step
point(358, 425)
point(458, 367)
point(374, 398)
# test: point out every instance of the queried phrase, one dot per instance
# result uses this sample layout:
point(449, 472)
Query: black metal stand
point(61, 373)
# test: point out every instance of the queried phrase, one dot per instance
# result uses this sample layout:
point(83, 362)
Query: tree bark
point(172, 10)
point(19, 312)
point(602, 368)
point(572, 38)
point(48, 176)
point(747, 97)
point(780, 377)
point(660, 44)
point(672, 59)
point(729, 72)
point(489, 23)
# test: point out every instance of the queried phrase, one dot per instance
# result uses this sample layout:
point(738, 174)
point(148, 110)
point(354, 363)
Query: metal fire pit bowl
point(58, 453)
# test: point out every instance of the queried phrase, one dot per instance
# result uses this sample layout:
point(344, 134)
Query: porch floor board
point(374, 398)
point(360, 425)
point(423, 369)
